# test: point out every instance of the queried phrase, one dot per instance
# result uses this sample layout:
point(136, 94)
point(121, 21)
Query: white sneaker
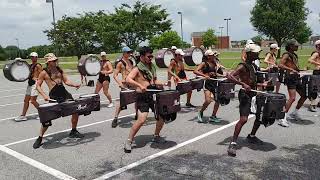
point(38, 118)
point(110, 105)
point(21, 118)
point(283, 123)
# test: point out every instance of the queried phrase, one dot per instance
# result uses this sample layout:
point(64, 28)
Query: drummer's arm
point(116, 73)
point(39, 82)
point(131, 76)
point(198, 72)
point(266, 60)
point(232, 76)
point(170, 70)
point(67, 81)
point(312, 59)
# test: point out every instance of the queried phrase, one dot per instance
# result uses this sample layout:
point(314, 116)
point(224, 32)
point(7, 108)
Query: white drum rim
point(197, 56)
point(88, 95)
point(48, 104)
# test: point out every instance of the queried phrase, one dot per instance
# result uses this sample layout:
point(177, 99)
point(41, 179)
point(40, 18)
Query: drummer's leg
point(98, 87)
point(189, 94)
point(159, 126)
point(215, 108)
point(25, 105)
point(207, 100)
point(33, 101)
point(278, 84)
point(142, 117)
point(74, 120)
point(106, 90)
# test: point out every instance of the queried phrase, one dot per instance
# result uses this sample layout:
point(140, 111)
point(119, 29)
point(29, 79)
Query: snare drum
point(311, 84)
point(224, 92)
point(17, 70)
point(167, 104)
point(49, 111)
point(127, 97)
point(184, 87)
point(89, 65)
point(93, 100)
point(271, 105)
point(197, 83)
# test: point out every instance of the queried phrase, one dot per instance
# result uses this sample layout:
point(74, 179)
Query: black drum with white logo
point(89, 65)
point(164, 57)
point(193, 56)
point(167, 105)
point(184, 87)
point(311, 84)
point(82, 106)
point(224, 92)
point(49, 111)
point(17, 70)
point(93, 100)
point(127, 97)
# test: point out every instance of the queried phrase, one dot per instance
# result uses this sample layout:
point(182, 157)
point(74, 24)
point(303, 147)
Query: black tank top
point(208, 69)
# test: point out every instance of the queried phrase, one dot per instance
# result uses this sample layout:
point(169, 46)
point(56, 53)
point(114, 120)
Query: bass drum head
point(20, 71)
point(164, 57)
point(197, 55)
point(92, 66)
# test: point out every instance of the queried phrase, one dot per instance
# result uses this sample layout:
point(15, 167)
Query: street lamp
point(53, 16)
point(227, 19)
point(221, 28)
point(18, 47)
point(181, 26)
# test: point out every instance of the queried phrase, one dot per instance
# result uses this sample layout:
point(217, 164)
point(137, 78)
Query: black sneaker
point(38, 143)
point(189, 105)
point(127, 146)
point(254, 140)
point(114, 123)
point(75, 134)
point(158, 139)
point(232, 150)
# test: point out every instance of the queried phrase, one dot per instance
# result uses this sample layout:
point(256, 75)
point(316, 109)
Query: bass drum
point(89, 65)
point(193, 56)
point(17, 70)
point(164, 57)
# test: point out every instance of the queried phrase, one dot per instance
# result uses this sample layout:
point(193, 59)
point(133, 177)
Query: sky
point(26, 20)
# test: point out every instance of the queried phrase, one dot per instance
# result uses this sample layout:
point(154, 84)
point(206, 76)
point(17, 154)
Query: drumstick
point(53, 100)
point(222, 79)
point(257, 91)
point(153, 90)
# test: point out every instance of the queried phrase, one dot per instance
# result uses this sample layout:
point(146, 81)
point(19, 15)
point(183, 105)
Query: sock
point(233, 143)
point(252, 135)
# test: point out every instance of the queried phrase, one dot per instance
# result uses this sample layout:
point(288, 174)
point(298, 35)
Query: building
point(223, 42)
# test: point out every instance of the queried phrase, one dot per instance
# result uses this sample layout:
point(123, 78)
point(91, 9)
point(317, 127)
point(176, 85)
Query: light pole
point(18, 47)
point(227, 19)
point(53, 16)
point(181, 26)
point(221, 28)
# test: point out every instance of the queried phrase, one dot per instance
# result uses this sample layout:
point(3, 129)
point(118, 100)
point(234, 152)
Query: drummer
point(209, 69)
point(289, 63)
point(124, 66)
point(31, 93)
point(144, 77)
point(176, 70)
point(248, 80)
point(271, 61)
point(104, 78)
point(315, 60)
point(54, 77)
point(243, 52)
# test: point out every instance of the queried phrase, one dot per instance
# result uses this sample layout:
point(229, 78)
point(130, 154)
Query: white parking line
point(66, 130)
point(36, 164)
point(12, 90)
point(12, 95)
point(146, 159)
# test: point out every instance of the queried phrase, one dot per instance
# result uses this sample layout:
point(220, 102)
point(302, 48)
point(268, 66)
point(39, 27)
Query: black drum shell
point(82, 65)
point(127, 97)
point(224, 91)
point(7, 71)
point(272, 103)
point(48, 113)
point(188, 59)
point(311, 83)
point(197, 84)
point(184, 87)
point(160, 57)
point(167, 105)
point(93, 100)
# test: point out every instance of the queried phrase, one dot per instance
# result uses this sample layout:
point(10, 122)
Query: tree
point(3, 55)
point(42, 50)
point(209, 38)
point(12, 51)
point(257, 39)
point(140, 22)
point(281, 20)
point(166, 40)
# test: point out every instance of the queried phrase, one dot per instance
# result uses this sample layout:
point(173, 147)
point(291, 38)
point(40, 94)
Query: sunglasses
point(150, 57)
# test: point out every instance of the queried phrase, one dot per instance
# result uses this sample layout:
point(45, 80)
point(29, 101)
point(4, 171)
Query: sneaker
point(312, 109)
point(232, 150)
point(254, 140)
point(295, 116)
point(38, 143)
point(214, 119)
point(158, 139)
point(75, 134)
point(127, 146)
point(253, 108)
point(38, 118)
point(114, 123)
point(21, 118)
point(283, 123)
point(200, 117)
point(110, 105)
point(189, 105)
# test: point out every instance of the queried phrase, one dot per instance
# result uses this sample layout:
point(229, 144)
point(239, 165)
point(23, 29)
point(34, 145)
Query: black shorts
point(103, 78)
point(245, 102)
point(293, 81)
point(145, 102)
point(210, 85)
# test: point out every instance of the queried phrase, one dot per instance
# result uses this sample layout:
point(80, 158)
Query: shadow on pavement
point(143, 140)
point(301, 122)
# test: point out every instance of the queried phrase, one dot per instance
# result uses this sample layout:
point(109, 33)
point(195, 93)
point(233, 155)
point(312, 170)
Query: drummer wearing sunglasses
point(176, 70)
point(144, 77)
point(54, 77)
point(315, 60)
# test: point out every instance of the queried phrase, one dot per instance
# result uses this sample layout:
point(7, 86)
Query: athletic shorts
point(245, 99)
point(103, 78)
point(32, 91)
point(293, 81)
point(145, 102)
